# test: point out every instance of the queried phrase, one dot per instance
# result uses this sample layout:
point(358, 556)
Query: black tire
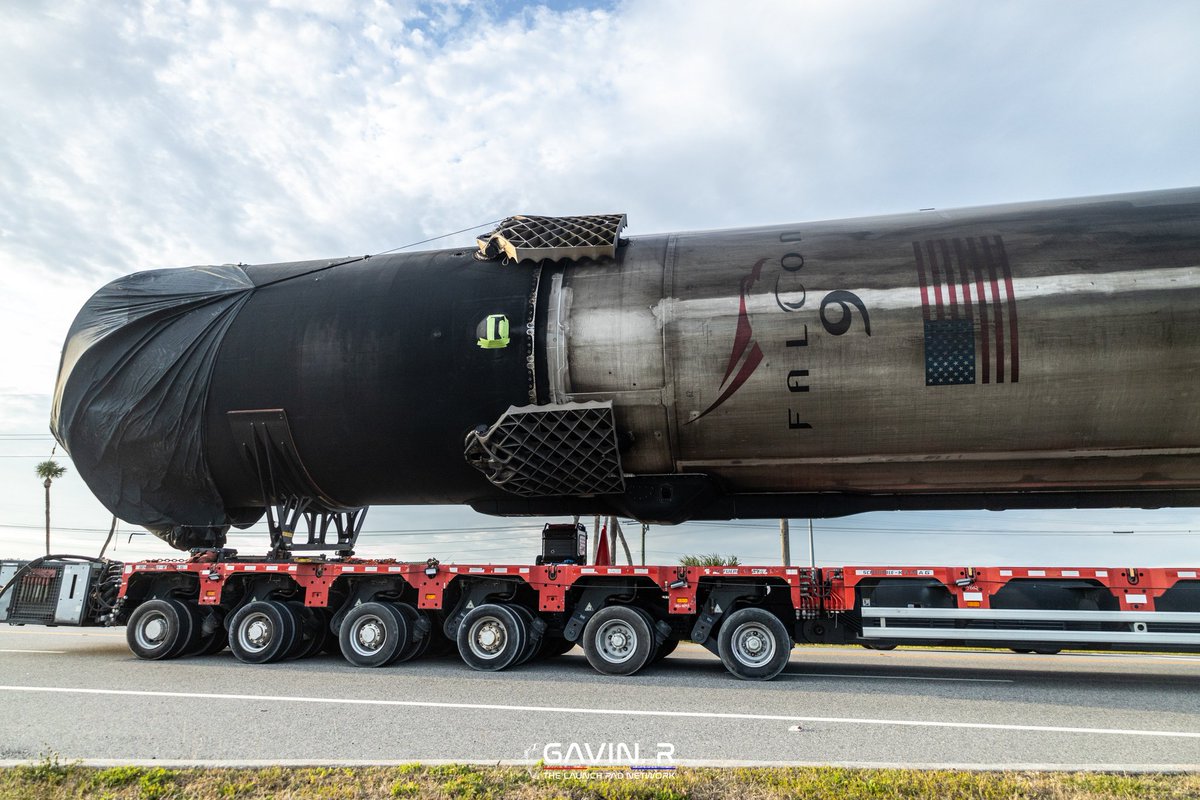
point(160, 629)
point(661, 649)
point(309, 631)
point(754, 644)
point(262, 631)
point(423, 644)
point(879, 646)
point(333, 639)
point(1023, 651)
point(373, 634)
point(665, 649)
point(439, 644)
point(533, 641)
point(554, 646)
point(217, 639)
point(320, 634)
point(1047, 652)
point(491, 637)
point(211, 645)
point(195, 635)
point(415, 647)
point(618, 640)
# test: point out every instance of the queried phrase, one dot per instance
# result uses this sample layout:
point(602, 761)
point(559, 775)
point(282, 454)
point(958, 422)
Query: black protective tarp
point(129, 404)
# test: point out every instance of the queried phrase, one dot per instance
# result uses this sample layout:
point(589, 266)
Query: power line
point(435, 238)
point(525, 532)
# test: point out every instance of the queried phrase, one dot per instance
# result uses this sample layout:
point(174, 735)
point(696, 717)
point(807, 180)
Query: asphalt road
point(82, 695)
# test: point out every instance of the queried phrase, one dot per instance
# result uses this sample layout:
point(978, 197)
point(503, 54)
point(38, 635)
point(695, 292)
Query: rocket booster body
point(1032, 355)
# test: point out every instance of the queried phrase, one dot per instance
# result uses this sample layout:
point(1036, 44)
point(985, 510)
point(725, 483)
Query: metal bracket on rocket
point(291, 497)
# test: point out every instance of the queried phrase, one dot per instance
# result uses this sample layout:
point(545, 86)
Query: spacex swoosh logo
point(746, 354)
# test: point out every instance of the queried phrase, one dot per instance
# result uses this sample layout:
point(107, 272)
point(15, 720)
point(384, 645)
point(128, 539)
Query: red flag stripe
point(950, 282)
point(935, 277)
point(1015, 358)
point(997, 304)
point(983, 310)
point(966, 279)
point(921, 279)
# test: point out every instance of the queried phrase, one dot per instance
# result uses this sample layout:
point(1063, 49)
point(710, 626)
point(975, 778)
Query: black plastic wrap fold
point(132, 386)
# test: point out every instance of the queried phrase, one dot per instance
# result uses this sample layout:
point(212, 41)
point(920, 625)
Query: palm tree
point(709, 560)
point(49, 470)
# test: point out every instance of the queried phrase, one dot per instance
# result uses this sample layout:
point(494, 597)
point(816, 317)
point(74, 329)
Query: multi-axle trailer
point(1034, 355)
point(377, 612)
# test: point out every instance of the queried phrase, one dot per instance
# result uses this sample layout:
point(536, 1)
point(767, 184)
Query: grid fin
point(528, 238)
point(550, 450)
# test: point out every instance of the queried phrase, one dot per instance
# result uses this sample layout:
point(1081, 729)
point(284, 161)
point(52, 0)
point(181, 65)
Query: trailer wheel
point(491, 637)
point(439, 643)
point(373, 634)
point(665, 649)
point(262, 632)
point(879, 646)
point(413, 648)
point(554, 646)
point(309, 633)
point(425, 642)
point(213, 643)
point(618, 640)
point(753, 644)
point(532, 642)
point(661, 650)
point(333, 644)
point(159, 629)
point(319, 619)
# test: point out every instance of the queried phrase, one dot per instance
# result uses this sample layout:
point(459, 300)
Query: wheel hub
point(258, 632)
point(154, 629)
point(489, 638)
point(370, 635)
point(616, 642)
point(753, 645)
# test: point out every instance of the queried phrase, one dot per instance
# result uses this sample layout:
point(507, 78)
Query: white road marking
point(45, 632)
point(617, 712)
point(890, 677)
point(14, 650)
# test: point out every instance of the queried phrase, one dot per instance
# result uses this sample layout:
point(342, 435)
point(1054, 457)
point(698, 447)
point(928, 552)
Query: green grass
point(51, 779)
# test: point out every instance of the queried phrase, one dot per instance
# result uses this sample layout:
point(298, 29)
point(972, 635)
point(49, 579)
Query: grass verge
point(52, 780)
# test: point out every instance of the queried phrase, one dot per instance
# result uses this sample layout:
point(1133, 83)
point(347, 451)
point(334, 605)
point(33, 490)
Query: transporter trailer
point(377, 612)
point(563, 369)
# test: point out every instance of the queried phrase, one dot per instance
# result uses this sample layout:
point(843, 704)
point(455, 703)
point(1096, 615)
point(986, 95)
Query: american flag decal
point(970, 310)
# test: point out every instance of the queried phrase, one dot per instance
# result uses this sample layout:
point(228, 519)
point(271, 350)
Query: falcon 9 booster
point(1028, 355)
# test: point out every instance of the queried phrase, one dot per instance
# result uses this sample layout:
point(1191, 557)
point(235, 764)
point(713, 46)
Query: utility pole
point(645, 527)
point(614, 526)
point(785, 540)
point(812, 550)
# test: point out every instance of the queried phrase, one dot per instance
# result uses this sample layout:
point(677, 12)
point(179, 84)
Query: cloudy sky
point(164, 133)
